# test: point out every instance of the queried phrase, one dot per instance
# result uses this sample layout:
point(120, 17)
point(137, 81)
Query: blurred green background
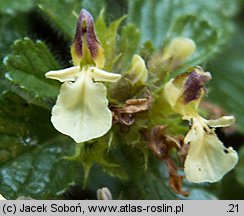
point(29, 148)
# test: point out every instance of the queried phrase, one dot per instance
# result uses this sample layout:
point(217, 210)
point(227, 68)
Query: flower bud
point(86, 49)
point(178, 51)
point(104, 194)
point(138, 72)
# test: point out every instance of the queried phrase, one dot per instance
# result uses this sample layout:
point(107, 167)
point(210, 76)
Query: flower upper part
point(81, 110)
point(207, 160)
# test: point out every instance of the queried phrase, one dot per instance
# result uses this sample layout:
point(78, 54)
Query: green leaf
point(62, 15)
point(25, 72)
point(200, 193)
point(108, 38)
point(29, 150)
point(128, 44)
point(144, 183)
point(89, 153)
point(149, 187)
point(229, 188)
point(155, 17)
point(94, 6)
point(160, 21)
point(227, 70)
point(13, 6)
point(11, 28)
point(21, 130)
point(240, 167)
point(32, 173)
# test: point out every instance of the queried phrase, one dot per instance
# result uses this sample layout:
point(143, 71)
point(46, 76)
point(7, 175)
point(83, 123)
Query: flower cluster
point(81, 110)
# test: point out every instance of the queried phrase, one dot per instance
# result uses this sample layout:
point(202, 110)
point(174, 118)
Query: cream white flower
point(1, 197)
point(207, 160)
point(81, 110)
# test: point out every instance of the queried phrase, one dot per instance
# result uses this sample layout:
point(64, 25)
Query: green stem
point(87, 169)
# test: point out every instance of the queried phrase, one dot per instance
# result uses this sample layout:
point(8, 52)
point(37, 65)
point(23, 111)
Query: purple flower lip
point(85, 33)
point(194, 85)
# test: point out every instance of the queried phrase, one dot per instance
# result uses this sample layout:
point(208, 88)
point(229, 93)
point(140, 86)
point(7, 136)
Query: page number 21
point(233, 208)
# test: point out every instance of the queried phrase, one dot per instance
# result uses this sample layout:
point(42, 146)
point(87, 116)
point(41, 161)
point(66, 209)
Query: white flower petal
point(1, 197)
point(207, 160)
point(81, 109)
point(172, 93)
point(224, 121)
point(103, 76)
point(68, 74)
